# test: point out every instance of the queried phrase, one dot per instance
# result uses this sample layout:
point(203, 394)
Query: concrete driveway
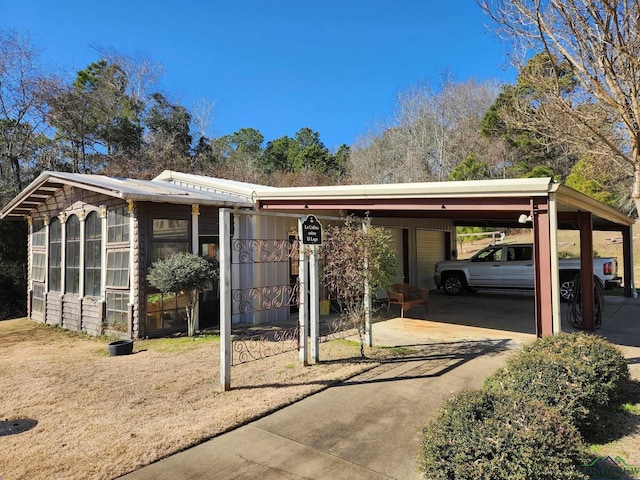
point(368, 427)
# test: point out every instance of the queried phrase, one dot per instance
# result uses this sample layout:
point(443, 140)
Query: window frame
point(37, 298)
point(116, 318)
point(38, 233)
point(118, 268)
point(170, 241)
point(118, 225)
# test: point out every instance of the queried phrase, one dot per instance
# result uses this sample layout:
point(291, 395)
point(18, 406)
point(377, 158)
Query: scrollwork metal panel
point(256, 347)
point(265, 251)
point(257, 299)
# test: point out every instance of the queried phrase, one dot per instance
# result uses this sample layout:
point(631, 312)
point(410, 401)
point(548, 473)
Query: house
point(93, 238)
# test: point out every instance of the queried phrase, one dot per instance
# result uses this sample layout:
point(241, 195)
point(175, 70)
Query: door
point(518, 271)
point(209, 302)
point(431, 248)
point(485, 269)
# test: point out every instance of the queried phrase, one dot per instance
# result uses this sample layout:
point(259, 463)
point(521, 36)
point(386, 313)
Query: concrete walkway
point(369, 427)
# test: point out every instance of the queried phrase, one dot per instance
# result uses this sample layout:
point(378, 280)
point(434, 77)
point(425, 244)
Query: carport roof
point(478, 202)
point(48, 183)
point(496, 203)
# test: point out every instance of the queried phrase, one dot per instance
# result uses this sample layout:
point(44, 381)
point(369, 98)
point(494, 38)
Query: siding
point(92, 315)
point(53, 309)
point(71, 312)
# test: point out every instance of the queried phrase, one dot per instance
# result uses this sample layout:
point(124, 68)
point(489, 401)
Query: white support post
point(195, 229)
point(555, 267)
point(195, 249)
point(103, 252)
point(225, 299)
point(314, 307)
point(132, 263)
point(83, 236)
point(368, 333)
point(303, 318)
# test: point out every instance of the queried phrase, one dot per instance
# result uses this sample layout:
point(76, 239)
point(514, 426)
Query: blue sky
point(277, 66)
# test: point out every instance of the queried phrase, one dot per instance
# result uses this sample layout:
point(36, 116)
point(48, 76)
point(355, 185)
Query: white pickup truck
point(511, 266)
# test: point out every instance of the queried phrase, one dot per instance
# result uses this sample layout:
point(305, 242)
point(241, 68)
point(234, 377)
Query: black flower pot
point(120, 347)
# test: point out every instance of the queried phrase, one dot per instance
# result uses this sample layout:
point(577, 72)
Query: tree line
point(110, 118)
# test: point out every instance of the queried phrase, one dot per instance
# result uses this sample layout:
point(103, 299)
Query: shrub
point(484, 435)
point(183, 273)
point(581, 375)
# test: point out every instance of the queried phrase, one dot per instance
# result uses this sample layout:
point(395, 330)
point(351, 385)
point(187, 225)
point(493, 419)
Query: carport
point(540, 203)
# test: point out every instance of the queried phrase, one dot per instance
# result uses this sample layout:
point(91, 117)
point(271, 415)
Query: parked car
point(510, 266)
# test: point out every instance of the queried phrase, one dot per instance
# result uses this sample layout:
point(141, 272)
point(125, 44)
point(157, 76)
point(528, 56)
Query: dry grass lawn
point(100, 417)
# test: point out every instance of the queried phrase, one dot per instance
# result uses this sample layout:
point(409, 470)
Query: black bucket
point(120, 347)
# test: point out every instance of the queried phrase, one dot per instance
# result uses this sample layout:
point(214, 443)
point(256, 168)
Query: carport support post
point(627, 259)
point(303, 316)
point(542, 266)
point(555, 266)
point(314, 307)
point(586, 270)
point(368, 333)
point(225, 298)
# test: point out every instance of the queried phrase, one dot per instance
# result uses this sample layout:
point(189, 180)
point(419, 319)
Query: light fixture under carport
point(524, 218)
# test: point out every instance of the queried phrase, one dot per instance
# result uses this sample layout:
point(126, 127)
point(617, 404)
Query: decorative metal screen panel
point(265, 251)
point(257, 299)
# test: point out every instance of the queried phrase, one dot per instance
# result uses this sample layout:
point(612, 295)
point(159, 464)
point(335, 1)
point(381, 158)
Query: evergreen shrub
point(581, 375)
point(486, 435)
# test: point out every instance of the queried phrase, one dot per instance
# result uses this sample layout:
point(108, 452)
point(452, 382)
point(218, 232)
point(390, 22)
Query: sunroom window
point(92, 255)
point(55, 255)
point(72, 255)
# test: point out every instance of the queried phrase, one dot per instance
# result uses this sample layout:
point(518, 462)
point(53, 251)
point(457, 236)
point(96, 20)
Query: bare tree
point(433, 130)
point(22, 120)
point(600, 43)
point(141, 73)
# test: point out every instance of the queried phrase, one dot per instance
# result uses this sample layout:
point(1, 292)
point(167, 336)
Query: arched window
point(72, 255)
point(55, 255)
point(92, 255)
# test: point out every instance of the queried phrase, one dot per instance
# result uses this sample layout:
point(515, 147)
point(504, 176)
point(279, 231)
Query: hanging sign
point(311, 231)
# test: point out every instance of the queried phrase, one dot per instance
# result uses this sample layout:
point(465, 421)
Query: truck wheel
point(454, 284)
point(566, 289)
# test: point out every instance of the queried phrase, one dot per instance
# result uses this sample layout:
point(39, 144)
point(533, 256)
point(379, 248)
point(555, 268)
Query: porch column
point(133, 274)
point(555, 266)
point(314, 307)
point(225, 298)
point(195, 249)
point(542, 266)
point(585, 222)
point(303, 316)
point(104, 231)
point(83, 235)
point(368, 333)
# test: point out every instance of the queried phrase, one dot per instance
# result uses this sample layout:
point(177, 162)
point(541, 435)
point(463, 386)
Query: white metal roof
point(243, 189)
point(516, 187)
point(184, 188)
point(128, 189)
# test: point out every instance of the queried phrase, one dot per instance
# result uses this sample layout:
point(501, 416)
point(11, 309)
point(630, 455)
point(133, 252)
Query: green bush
point(484, 435)
point(581, 375)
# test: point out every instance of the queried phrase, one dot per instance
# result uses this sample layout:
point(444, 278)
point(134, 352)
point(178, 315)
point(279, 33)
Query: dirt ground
point(100, 417)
